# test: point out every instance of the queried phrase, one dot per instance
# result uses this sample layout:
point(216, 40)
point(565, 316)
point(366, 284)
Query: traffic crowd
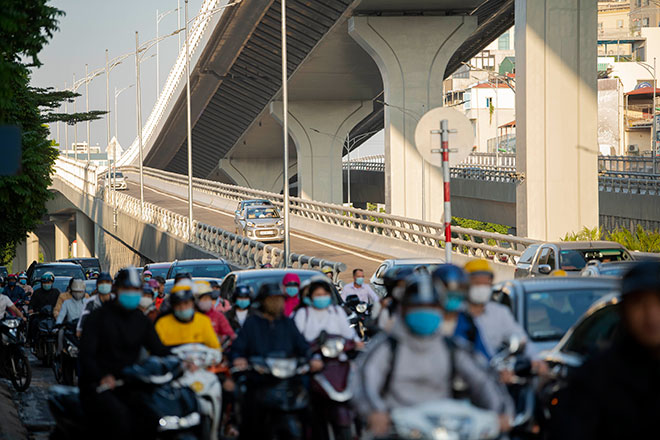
point(362, 359)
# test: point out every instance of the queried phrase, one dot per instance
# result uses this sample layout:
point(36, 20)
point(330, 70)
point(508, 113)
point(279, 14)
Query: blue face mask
point(243, 303)
point(147, 279)
point(129, 300)
point(423, 322)
point(23, 282)
point(321, 302)
point(292, 291)
point(185, 314)
point(454, 302)
point(104, 288)
point(11, 283)
point(47, 286)
point(359, 281)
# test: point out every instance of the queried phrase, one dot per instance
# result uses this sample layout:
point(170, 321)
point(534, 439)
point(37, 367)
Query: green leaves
point(639, 240)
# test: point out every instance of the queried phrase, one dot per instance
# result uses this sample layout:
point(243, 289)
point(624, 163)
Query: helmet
point(47, 276)
point(77, 285)
point(452, 277)
point(313, 283)
point(103, 276)
point(290, 278)
point(11, 276)
point(94, 275)
point(420, 291)
point(146, 272)
point(146, 288)
point(479, 267)
point(22, 276)
point(394, 276)
point(269, 289)
point(128, 278)
point(327, 269)
point(558, 273)
point(202, 288)
point(642, 276)
point(181, 276)
point(181, 292)
point(242, 291)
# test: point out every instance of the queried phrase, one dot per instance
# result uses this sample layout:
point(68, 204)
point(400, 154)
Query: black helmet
point(242, 291)
point(421, 291)
point(394, 276)
point(269, 289)
point(182, 275)
point(453, 278)
point(128, 278)
point(103, 276)
point(644, 276)
point(181, 292)
point(46, 277)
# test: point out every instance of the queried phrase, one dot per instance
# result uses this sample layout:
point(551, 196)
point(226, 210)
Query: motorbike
point(359, 316)
point(44, 346)
point(330, 391)
point(280, 393)
point(166, 410)
point(202, 379)
point(444, 419)
point(14, 363)
point(65, 364)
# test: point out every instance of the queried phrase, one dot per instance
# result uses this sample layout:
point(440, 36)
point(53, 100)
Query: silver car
point(116, 181)
point(261, 222)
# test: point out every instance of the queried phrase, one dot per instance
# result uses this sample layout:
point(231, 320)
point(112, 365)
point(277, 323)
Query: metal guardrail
point(500, 247)
point(491, 174)
point(239, 250)
point(374, 163)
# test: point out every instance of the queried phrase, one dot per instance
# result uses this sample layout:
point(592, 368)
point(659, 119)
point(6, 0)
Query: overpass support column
point(556, 117)
point(84, 235)
point(319, 129)
point(26, 253)
point(61, 238)
point(412, 54)
point(264, 174)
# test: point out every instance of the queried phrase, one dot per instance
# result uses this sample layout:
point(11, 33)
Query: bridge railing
point(491, 159)
point(239, 250)
point(500, 247)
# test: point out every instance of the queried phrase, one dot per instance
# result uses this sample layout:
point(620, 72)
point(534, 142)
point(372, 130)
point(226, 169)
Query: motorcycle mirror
point(516, 344)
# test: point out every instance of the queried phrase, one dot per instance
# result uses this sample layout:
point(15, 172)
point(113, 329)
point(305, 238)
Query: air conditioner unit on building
point(633, 149)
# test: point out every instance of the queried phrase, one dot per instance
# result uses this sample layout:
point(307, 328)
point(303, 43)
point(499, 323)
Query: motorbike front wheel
point(20, 371)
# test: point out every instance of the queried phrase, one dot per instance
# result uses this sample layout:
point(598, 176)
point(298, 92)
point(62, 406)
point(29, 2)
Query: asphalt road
point(300, 243)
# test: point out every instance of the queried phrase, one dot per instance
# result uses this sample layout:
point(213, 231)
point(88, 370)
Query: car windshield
point(59, 271)
point(256, 202)
point(548, 315)
point(256, 280)
point(202, 270)
point(60, 283)
point(576, 259)
point(159, 271)
point(118, 175)
point(528, 255)
point(259, 213)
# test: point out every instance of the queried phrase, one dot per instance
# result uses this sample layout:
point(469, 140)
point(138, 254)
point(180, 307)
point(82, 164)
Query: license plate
point(267, 232)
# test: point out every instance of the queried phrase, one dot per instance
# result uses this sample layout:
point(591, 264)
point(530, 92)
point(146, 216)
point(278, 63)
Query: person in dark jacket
point(46, 295)
point(14, 291)
point(112, 338)
point(266, 332)
point(238, 314)
point(616, 393)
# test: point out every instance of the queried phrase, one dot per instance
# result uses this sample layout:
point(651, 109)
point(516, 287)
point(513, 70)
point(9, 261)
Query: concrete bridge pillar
point(264, 174)
point(26, 253)
point(412, 54)
point(84, 236)
point(556, 117)
point(61, 238)
point(319, 129)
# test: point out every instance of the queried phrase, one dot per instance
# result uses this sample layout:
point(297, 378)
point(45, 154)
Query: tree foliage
point(639, 240)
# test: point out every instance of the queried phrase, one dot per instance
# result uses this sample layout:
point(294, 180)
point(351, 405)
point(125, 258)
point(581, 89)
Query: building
point(490, 105)
point(644, 13)
point(615, 33)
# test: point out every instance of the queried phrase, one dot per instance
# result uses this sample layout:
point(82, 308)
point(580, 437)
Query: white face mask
point(78, 295)
point(480, 294)
point(145, 302)
point(205, 305)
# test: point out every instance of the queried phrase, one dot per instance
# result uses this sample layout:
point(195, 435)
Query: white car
point(116, 181)
point(260, 222)
point(377, 278)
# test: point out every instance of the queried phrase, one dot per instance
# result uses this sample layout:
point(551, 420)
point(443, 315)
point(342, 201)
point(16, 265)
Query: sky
point(91, 26)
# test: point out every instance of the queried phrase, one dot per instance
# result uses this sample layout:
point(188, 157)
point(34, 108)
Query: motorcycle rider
point(113, 338)
point(103, 295)
point(615, 394)
point(363, 291)
point(146, 276)
point(242, 299)
point(160, 292)
point(22, 281)
point(204, 303)
point(291, 286)
point(394, 281)
point(265, 332)
point(183, 325)
point(71, 310)
point(7, 304)
point(415, 363)
point(63, 297)
point(14, 291)
point(146, 305)
point(46, 295)
point(220, 304)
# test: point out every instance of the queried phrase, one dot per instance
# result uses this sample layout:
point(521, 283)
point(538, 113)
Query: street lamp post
point(66, 127)
point(138, 103)
point(87, 110)
point(285, 128)
point(654, 132)
point(159, 17)
point(75, 126)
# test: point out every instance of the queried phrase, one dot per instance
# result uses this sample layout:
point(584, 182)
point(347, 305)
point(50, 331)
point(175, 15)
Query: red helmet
point(291, 278)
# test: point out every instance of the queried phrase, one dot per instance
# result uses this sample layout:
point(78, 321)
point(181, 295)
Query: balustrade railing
point(78, 174)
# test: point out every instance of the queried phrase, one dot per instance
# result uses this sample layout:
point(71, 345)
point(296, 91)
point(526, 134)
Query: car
point(547, 307)
point(199, 268)
point(245, 203)
point(60, 283)
point(90, 286)
point(170, 283)
point(256, 277)
point(158, 269)
point(88, 264)
point(71, 270)
point(571, 256)
point(3, 272)
point(116, 180)
point(260, 222)
point(376, 280)
point(596, 268)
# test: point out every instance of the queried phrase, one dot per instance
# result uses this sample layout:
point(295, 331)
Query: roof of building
point(508, 124)
point(491, 85)
point(643, 91)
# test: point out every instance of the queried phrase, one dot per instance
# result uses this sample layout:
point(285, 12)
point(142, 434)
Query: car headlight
point(250, 224)
point(361, 308)
point(11, 323)
point(280, 222)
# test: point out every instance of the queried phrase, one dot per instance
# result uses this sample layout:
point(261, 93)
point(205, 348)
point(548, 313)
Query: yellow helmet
point(478, 266)
point(182, 286)
point(558, 273)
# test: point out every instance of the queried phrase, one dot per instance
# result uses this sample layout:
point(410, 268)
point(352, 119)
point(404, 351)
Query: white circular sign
point(461, 136)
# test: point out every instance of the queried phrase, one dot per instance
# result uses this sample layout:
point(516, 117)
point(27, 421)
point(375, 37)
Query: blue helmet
point(103, 276)
point(453, 278)
point(421, 291)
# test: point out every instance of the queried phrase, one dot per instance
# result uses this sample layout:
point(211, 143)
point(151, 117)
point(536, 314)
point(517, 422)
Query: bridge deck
point(300, 242)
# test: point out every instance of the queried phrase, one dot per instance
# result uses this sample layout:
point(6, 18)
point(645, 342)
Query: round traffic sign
point(427, 136)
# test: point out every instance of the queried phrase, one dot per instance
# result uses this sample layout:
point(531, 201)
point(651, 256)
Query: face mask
point(454, 302)
point(423, 322)
point(78, 295)
point(480, 294)
point(24, 282)
point(145, 302)
point(243, 303)
point(359, 281)
point(147, 279)
point(129, 300)
point(104, 288)
point(215, 294)
point(184, 315)
point(47, 286)
point(205, 305)
point(292, 291)
point(321, 302)
point(11, 283)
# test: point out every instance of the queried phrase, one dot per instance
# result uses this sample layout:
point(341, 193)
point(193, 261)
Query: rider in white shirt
point(363, 291)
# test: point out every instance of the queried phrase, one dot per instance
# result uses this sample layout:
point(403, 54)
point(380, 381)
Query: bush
point(641, 240)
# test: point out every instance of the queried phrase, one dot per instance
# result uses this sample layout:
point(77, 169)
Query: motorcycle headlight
point(282, 368)
point(361, 308)
point(72, 350)
point(11, 323)
point(171, 423)
point(332, 347)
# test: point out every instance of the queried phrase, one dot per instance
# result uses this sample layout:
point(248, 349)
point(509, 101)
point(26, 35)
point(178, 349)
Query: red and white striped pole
point(444, 137)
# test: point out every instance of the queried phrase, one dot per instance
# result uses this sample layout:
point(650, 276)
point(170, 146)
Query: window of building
point(639, 3)
point(484, 60)
point(619, 24)
point(489, 102)
point(645, 22)
point(462, 72)
point(504, 42)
